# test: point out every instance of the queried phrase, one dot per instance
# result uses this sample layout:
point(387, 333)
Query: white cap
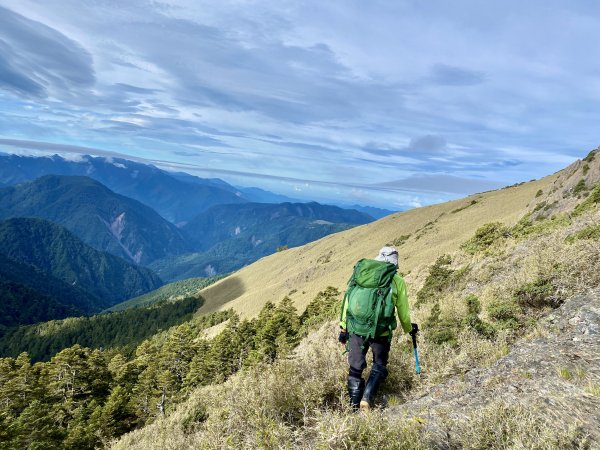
point(388, 254)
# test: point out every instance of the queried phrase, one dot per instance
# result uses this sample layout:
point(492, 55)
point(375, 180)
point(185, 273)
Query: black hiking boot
point(356, 387)
point(377, 375)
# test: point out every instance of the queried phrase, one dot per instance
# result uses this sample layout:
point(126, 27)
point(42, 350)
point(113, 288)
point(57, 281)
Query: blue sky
point(394, 104)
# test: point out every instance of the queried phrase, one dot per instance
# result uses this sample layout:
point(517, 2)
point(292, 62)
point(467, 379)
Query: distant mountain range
point(177, 196)
point(231, 236)
point(289, 224)
point(105, 220)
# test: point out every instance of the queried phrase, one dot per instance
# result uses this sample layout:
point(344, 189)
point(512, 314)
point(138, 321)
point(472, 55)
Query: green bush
point(579, 187)
point(506, 312)
point(591, 232)
point(440, 330)
point(586, 169)
point(590, 156)
point(485, 237)
point(400, 240)
point(590, 202)
point(439, 280)
point(526, 227)
point(457, 210)
point(536, 294)
point(473, 304)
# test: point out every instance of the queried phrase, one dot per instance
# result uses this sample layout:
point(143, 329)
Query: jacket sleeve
point(401, 302)
point(343, 313)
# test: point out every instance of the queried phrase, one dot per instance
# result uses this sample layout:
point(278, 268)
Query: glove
point(415, 329)
point(343, 337)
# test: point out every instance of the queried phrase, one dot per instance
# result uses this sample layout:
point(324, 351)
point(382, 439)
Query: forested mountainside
point(28, 295)
point(104, 220)
point(98, 278)
point(177, 199)
point(278, 224)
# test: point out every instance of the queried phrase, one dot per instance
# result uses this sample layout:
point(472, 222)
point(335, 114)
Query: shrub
point(539, 193)
point(440, 278)
point(586, 169)
point(590, 156)
point(473, 304)
point(400, 240)
point(440, 330)
point(474, 321)
point(485, 237)
point(505, 312)
point(457, 210)
point(590, 202)
point(579, 187)
point(537, 294)
point(591, 232)
point(526, 227)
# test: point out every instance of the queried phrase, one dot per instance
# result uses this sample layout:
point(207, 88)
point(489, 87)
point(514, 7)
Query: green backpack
point(370, 308)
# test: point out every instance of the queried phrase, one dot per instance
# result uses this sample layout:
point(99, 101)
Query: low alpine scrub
point(485, 236)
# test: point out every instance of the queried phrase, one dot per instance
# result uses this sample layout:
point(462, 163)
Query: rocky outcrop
point(572, 185)
point(556, 373)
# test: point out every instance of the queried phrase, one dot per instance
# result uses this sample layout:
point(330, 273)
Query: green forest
point(123, 330)
point(83, 397)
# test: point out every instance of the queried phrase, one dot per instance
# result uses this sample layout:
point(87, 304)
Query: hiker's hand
point(415, 329)
point(343, 336)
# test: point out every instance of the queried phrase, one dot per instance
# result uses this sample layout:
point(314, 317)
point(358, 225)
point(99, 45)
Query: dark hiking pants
point(357, 356)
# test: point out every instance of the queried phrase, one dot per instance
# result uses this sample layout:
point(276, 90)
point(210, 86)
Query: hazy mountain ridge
point(176, 198)
point(261, 221)
point(231, 236)
point(105, 220)
point(53, 250)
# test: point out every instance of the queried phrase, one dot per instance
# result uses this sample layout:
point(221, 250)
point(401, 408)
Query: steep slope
point(563, 358)
point(27, 295)
point(232, 236)
point(55, 251)
point(101, 218)
point(432, 231)
point(177, 199)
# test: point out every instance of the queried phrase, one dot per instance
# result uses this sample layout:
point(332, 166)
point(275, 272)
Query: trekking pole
point(413, 334)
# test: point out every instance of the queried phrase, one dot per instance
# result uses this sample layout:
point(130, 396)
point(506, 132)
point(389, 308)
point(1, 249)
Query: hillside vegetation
point(28, 295)
point(123, 330)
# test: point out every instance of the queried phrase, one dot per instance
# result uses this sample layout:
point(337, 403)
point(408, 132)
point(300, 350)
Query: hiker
point(375, 292)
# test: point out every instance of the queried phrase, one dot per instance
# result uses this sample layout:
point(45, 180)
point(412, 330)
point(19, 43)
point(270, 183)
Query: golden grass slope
point(302, 272)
